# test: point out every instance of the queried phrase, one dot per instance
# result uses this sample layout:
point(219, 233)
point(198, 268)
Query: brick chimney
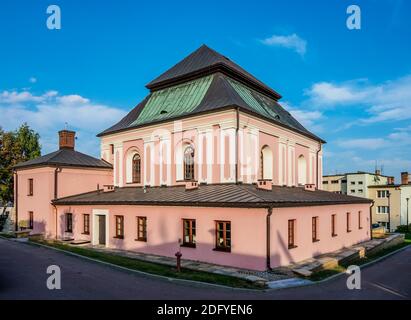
point(377, 172)
point(67, 139)
point(404, 177)
point(390, 180)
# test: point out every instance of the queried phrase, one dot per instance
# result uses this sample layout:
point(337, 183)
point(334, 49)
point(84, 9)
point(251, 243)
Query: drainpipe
point(16, 199)
point(55, 210)
point(371, 206)
point(318, 163)
point(268, 245)
point(56, 172)
point(236, 144)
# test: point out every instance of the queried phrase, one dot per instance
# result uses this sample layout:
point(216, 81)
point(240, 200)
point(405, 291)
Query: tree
point(15, 147)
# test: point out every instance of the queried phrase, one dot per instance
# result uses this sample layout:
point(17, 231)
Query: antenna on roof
point(65, 125)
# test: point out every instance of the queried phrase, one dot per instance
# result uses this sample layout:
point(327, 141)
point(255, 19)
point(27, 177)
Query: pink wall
point(269, 134)
point(164, 229)
point(306, 248)
point(70, 181)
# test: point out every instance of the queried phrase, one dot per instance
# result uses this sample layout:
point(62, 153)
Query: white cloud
point(388, 101)
point(33, 80)
point(48, 113)
point(308, 118)
point(292, 41)
point(364, 144)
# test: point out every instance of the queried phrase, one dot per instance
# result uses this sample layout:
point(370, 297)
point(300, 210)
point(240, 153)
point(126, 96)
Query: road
point(23, 276)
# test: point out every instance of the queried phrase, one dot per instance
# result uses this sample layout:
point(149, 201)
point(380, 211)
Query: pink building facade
point(209, 164)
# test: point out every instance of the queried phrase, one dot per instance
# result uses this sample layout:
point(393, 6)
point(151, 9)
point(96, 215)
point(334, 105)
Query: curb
point(363, 266)
point(152, 275)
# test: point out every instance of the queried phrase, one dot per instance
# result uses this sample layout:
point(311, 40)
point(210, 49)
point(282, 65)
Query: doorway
point(101, 230)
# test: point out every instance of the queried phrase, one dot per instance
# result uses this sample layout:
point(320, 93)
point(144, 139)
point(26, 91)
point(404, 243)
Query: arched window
point(302, 170)
point(189, 163)
point(136, 168)
point(266, 163)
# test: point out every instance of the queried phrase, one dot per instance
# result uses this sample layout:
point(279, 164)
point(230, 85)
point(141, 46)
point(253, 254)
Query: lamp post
point(389, 211)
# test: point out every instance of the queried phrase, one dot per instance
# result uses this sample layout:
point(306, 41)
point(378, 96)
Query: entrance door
point(102, 230)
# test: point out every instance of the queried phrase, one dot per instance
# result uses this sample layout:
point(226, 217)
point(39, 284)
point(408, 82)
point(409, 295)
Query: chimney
point(404, 177)
point(390, 180)
point(265, 184)
point(191, 185)
point(108, 188)
point(66, 139)
point(309, 187)
point(378, 172)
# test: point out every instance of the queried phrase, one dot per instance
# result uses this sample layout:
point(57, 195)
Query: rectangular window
point(348, 222)
point(69, 222)
point(142, 229)
point(333, 225)
point(189, 232)
point(360, 182)
point(325, 182)
point(223, 236)
point(291, 234)
point(30, 187)
point(86, 224)
point(31, 220)
point(382, 194)
point(334, 181)
point(360, 190)
point(315, 229)
point(360, 220)
point(382, 209)
point(352, 182)
point(119, 227)
point(352, 191)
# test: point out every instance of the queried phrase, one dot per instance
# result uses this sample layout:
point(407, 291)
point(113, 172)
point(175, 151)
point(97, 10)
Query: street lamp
point(389, 211)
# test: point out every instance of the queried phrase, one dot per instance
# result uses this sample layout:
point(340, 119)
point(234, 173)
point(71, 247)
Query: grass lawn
point(323, 274)
point(153, 268)
point(7, 235)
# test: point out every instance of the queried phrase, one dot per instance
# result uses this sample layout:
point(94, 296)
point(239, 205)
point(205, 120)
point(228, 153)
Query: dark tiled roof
point(224, 92)
point(65, 157)
point(205, 59)
point(228, 195)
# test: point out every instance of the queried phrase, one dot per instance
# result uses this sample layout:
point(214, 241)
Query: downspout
point(16, 199)
point(318, 164)
point(268, 245)
point(371, 206)
point(55, 210)
point(236, 143)
point(56, 172)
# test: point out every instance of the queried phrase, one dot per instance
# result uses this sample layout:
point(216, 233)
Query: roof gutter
point(268, 233)
point(318, 164)
point(371, 206)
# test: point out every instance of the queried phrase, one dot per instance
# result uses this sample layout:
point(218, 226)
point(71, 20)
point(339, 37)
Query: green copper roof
point(174, 101)
point(255, 100)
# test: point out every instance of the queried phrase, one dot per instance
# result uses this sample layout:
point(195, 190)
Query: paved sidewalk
point(250, 275)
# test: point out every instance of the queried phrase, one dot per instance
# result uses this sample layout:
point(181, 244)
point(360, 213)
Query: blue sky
point(351, 87)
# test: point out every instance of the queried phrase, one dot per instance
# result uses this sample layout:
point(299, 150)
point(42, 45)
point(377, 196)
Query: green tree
point(15, 147)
